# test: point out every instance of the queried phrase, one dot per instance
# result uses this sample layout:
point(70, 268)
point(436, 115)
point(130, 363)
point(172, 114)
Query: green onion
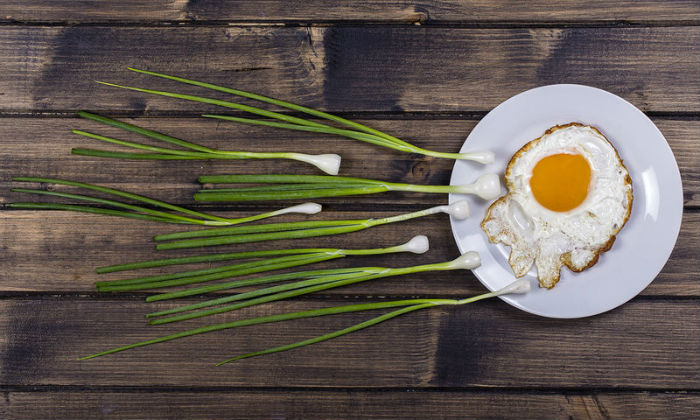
point(185, 216)
point(410, 305)
point(273, 231)
point(358, 132)
point(209, 274)
point(209, 258)
point(328, 163)
point(487, 187)
point(313, 282)
point(417, 245)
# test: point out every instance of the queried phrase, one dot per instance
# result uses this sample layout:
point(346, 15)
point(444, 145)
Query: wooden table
point(426, 72)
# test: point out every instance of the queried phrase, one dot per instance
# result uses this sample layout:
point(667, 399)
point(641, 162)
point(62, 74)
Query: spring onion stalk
point(185, 216)
point(406, 306)
point(208, 258)
point(272, 231)
point(210, 274)
point(312, 283)
point(288, 187)
point(329, 275)
point(357, 131)
point(417, 245)
point(328, 163)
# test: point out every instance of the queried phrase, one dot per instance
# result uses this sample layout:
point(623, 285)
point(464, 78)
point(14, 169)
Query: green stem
point(204, 271)
point(270, 279)
point(410, 305)
point(273, 101)
point(273, 231)
point(139, 146)
point(259, 237)
point(285, 179)
point(417, 305)
point(265, 320)
point(120, 193)
point(144, 131)
point(265, 227)
point(325, 337)
point(211, 101)
point(249, 268)
point(405, 216)
point(287, 290)
point(231, 285)
point(208, 258)
point(308, 186)
point(89, 209)
point(270, 294)
point(415, 245)
point(336, 273)
point(143, 156)
point(327, 163)
point(368, 138)
point(257, 254)
point(209, 220)
point(297, 194)
point(365, 133)
point(138, 209)
point(209, 154)
point(283, 187)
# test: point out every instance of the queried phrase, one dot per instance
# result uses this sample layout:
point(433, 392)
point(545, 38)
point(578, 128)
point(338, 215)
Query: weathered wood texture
point(483, 344)
point(41, 147)
point(58, 252)
point(383, 68)
point(366, 11)
point(428, 84)
point(348, 404)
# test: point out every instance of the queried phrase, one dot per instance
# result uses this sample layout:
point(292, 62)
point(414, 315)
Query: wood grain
point(314, 11)
point(57, 252)
point(337, 68)
point(347, 404)
point(427, 71)
point(41, 147)
point(486, 344)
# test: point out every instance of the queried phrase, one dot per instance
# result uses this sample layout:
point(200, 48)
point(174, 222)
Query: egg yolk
point(560, 182)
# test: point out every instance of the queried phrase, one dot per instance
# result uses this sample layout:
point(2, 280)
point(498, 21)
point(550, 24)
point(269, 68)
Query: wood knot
point(420, 15)
point(421, 170)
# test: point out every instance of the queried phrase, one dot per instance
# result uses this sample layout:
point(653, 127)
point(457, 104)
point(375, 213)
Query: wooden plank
point(486, 344)
point(336, 68)
point(347, 404)
point(58, 252)
point(370, 11)
point(41, 147)
point(688, 160)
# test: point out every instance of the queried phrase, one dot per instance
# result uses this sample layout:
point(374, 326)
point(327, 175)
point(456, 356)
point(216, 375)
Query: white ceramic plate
point(644, 243)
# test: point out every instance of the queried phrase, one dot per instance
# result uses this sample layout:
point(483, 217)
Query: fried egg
point(568, 196)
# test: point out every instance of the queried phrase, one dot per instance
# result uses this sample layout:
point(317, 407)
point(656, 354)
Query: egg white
point(551, 239)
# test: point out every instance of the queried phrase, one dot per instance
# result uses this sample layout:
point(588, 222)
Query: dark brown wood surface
point(427, 72)
point(314, 11)
point(423, 69)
